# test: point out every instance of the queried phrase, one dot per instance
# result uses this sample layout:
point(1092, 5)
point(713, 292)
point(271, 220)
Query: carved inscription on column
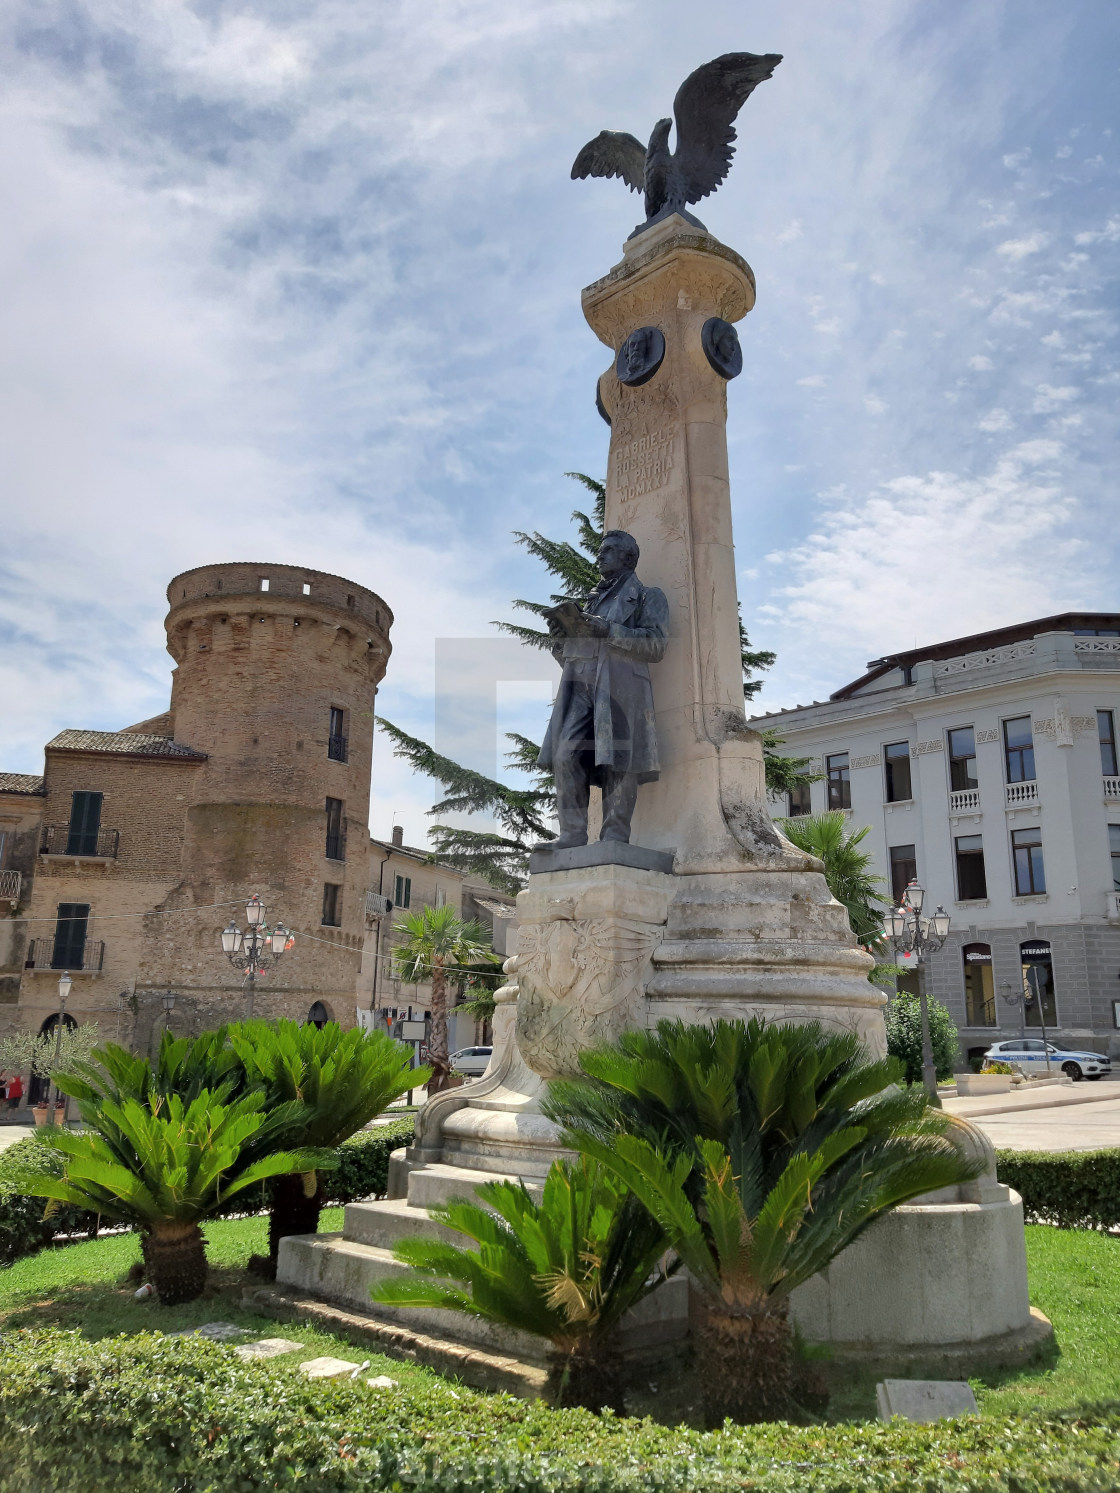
point(643, 464)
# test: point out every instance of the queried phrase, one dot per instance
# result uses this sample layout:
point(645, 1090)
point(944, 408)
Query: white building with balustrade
point(988, 767)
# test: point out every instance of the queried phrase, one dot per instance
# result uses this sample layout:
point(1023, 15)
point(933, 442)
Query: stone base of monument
point(937, 1286)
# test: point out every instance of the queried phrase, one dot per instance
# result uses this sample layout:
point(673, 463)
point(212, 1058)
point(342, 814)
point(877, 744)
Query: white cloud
point(1048, 398)
point(1109, 234)
point(981, 364)
point(1019, 248)
point(844, 597)
point(874, 406)
point(791, 232)
point(995, 420)
point(814, 381)
point(1016, 160)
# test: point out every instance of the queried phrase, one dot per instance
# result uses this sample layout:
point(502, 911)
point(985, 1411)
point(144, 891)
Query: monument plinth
point(708, 912)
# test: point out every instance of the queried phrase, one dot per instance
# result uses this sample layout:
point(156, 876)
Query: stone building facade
point(136, 847)
point(410, 878)
point(988, 767)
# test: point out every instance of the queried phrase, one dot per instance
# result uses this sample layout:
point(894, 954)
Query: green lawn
point(83, 1286)
point(1074, 1279)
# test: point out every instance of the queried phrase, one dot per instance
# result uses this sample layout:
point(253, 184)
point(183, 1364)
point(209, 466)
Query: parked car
point(471, 1062)
point(1029, 1054)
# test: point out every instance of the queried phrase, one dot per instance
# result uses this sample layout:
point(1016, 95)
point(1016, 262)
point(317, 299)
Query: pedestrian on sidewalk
point(15, 1092)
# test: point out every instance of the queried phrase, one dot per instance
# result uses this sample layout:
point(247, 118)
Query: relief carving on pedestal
point(580, 983)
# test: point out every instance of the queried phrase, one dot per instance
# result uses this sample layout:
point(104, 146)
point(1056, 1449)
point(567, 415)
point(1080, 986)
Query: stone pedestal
point(710, 912)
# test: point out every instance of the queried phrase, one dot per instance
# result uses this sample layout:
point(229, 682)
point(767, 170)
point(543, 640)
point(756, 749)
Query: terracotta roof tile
point(123, 744)
point(20, 782)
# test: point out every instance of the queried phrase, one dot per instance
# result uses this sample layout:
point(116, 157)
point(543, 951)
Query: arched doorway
point(979, 985)
point(318, 1015)
point(38, 1089)
point(1038, 980)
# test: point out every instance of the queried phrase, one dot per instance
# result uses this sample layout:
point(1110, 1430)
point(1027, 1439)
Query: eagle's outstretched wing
point(705, 106)
point(613, 153)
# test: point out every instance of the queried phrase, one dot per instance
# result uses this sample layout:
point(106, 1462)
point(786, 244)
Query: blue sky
point(300, 282)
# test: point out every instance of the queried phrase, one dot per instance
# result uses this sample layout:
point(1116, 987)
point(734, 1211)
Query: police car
point(1029, 1054)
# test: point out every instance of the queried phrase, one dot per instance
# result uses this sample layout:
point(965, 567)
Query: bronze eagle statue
point(706, 106)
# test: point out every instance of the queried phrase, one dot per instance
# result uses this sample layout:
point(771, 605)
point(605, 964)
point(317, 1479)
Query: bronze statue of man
point(602, 729)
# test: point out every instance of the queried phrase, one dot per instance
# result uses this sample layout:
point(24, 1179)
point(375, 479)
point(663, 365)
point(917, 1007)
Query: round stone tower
point(277, 671)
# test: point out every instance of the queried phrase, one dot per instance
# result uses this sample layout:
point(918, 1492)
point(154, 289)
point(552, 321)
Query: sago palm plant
point(329, 1083)
point(763, 1151)
point(437, 944)
point(567, 1269)
point(163, 1166)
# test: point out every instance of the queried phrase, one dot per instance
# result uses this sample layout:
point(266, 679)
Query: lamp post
point(64, 985)
point(911, 933)
point(1031, 990)
point(168, 1007)
point(256, 950)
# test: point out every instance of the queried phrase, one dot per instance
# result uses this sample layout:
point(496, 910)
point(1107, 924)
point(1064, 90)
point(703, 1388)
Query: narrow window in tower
point(264, 583)
point(402, 891)
point(332, 905)
point(307, 588)
point(336, 740)
point(336, 839)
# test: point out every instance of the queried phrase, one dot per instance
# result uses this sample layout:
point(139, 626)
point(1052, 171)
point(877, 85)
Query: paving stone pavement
point(331, 1368)
point(267, 1347)
point(1081, 1127)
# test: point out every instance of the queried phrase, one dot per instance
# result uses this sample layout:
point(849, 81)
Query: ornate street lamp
point(65, 984)
point(910, 933)
point(257, 950)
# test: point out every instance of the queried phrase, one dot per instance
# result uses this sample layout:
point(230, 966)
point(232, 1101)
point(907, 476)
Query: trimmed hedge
point(362, 1172)
point(23, 1229)
point(1074, 1189)
point(151, 1412)
point(363, 1162)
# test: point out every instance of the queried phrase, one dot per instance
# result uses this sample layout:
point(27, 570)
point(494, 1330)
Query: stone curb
point(1011, 1350)
point(479, 1369)
point(979, 1108)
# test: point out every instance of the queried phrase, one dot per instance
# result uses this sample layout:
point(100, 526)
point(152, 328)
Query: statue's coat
point(639, 619)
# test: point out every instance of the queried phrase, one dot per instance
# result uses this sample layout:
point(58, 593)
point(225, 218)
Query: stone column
point(751, 928)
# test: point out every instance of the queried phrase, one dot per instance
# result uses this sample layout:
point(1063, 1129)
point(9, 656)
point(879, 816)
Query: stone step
point(439, 1182)
point(384, 1222)
point(344, 1271)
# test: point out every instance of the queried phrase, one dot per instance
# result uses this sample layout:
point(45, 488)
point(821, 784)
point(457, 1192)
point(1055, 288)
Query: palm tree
point(567, 1268)
point(845, 868)
point(763, 1151)
point(501, 856)
point(332, 1083)
point(163, 1167)
point(437, 943)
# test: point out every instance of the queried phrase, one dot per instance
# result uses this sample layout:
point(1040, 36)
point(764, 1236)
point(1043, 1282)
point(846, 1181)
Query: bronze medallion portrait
point(640, 356)
point(720, 342)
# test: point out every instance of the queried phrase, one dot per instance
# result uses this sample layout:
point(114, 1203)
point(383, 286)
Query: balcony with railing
point(61, 839)
point(1113, 910)
point(964, 801)
point(10, 884)
point(1019, 794)
point(1111, 788)
point(46, 953)
point(336, 748)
